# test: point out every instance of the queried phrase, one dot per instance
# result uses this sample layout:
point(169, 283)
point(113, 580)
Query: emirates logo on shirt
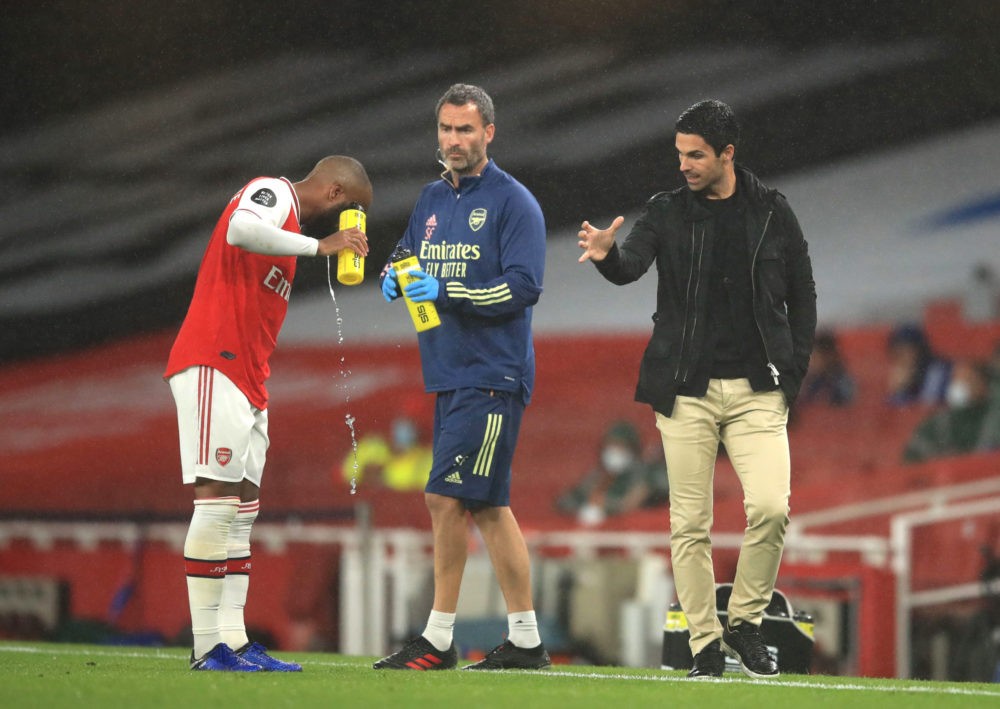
point(223, 456)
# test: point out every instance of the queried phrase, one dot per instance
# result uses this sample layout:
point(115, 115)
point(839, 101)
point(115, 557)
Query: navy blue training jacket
point(485, 243)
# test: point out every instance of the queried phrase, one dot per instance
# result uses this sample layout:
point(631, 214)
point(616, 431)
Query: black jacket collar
point(749, 188)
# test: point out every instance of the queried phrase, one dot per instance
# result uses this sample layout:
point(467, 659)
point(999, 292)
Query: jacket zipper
point(687, 303)
point(753, 284)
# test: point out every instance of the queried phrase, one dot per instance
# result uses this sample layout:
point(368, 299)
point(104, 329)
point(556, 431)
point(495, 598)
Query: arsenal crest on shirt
point(223, 455)
point(477, 218)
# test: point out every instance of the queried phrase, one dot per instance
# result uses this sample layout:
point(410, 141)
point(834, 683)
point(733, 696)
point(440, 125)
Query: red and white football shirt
point(240, 298)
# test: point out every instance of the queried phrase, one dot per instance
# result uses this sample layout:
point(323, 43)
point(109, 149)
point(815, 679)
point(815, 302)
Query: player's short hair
point(714, 121)
point(461, 94)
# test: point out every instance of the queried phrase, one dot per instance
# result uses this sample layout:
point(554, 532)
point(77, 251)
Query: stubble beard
point(468, 164)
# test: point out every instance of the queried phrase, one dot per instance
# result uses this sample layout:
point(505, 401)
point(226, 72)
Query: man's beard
point(323, 224)
point(470, 161)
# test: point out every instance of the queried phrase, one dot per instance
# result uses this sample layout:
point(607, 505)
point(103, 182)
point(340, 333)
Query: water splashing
point(349, 420)
point(344, 373)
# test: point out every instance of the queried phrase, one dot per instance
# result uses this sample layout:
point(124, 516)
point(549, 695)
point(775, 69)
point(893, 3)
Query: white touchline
point(776, 683)
point(797, 684)
point(157, 655)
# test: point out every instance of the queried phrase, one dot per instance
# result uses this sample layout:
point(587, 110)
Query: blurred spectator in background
point(981, 302)
point(916, 374)
point(401, 463)
point(827, 381)
point(995, 373)
point(621, 480)
point(968, 424)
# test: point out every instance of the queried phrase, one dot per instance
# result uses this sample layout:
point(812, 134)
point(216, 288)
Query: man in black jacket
point(733, 330)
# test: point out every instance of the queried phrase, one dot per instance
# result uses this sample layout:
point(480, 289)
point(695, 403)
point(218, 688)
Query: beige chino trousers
point(752, 425)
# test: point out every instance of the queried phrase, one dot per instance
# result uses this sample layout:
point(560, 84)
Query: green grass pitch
point(80, 676)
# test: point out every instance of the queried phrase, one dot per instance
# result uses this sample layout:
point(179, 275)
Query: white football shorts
point(222, 435)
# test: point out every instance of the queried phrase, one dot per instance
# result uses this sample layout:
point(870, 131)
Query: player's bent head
point(347, 172)
point(340, 168)
point(461, 94)
point(714, 121)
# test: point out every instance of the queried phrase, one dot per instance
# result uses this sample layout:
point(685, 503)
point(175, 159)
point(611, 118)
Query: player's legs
point(239, 565)
point(690, 444)
point(756, 438)
point(214, 427)
point(237, 584)
point(205, 567)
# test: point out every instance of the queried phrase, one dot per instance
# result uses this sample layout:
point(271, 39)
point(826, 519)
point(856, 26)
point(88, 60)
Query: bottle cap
point(399, 253)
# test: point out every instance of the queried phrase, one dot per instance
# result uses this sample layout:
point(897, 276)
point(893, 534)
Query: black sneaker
point(744, 644)
point(419, 654)
point(710, 662)
point(511, 657)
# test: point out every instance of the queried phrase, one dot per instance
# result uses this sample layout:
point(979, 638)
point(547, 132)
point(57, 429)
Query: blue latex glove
point(424, 289)
point(390, 288)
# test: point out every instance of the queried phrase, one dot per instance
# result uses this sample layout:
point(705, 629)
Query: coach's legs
point(450, 551)
point(512, 565)
point(509, 555)
point(690, 444)
point(756, 439)
point(450, 548)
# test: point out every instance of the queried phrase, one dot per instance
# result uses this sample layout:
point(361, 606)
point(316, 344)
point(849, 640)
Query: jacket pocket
point(664, 342)
point(790, 385)
point(771, 278)
point(656, 376)
point(779, 339)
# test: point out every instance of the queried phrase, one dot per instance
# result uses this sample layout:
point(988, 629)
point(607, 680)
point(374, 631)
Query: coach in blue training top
point(480, 238)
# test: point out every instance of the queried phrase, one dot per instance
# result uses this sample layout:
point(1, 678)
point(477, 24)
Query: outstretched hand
point(596, 243)
point(352, 238)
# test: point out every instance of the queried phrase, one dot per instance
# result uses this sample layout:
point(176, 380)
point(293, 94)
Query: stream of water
point(349, 420)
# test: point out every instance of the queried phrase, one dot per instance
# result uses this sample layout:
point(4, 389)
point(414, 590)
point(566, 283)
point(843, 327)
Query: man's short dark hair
point(461, 94)
point(714, 121)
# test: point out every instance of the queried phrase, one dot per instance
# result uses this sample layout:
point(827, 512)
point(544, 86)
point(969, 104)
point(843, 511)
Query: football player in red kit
point(217, 372)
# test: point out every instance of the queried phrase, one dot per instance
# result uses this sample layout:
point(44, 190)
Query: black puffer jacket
point(677, 233)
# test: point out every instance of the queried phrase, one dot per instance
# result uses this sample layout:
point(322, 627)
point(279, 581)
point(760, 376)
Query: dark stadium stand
point(105, 212)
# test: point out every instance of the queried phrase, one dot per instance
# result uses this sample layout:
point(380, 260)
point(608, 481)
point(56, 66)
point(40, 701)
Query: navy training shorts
point(475, 433)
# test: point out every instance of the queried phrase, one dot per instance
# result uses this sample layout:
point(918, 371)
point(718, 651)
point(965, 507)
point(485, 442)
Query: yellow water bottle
point(350, 264)
point(424, 315)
